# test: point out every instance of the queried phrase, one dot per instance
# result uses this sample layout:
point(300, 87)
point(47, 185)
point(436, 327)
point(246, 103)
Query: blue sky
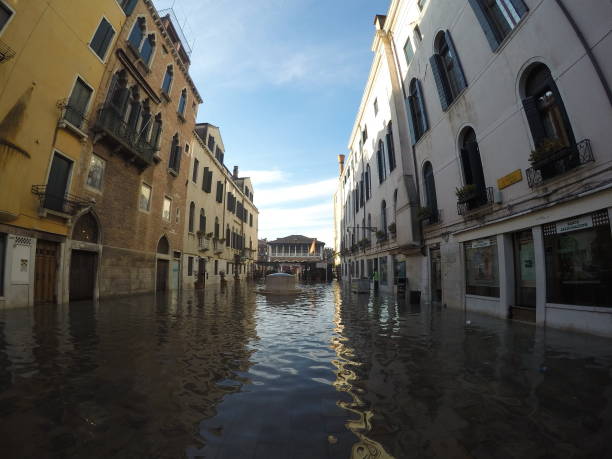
point(283, 80)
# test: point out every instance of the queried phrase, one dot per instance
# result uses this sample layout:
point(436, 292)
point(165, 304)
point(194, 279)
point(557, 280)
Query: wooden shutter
point(411, 119)
point(421, 102)
point(102, 38)
point(128, 6)
point(380, 166)
point(485, 24)
point(520, 7)
point(79, 97)
point(465, 165)
point(458, 69)
point(444, 91)
point(475, 165)
point(533, 118)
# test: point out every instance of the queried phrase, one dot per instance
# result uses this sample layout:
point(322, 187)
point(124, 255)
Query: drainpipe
point(589, 53)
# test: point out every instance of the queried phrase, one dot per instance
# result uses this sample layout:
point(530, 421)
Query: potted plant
point(381, 235)
point(424, 213)
point(466, 193)
point(392, 228)
point(545, 151)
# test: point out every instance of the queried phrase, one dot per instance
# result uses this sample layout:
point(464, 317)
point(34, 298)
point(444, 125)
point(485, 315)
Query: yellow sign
point(510, 179)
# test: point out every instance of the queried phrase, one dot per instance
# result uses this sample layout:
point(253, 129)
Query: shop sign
point(480, 243)
point(509, 179)
point(574, 224)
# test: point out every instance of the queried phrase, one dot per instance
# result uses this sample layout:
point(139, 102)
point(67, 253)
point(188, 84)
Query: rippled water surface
point(325, 374)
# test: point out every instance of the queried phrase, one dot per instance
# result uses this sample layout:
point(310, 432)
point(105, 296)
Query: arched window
point(383, 217)
point(417, 117)
point(202, 221)
point(167, 83)
point(228, 236)
point(135, 109)
point(146, 52)
point(145, 121)
point(174, 162)
point(182, 102)
point(382, 167)
point(544, 108)
point(119, 95)
point(476, 193)
point(368, 182)
point(156, 131)
point(390, 147)
point(191, 216)
point(430, 192)
point(86, 229)
point(498, 18)
point(216, 227)
point(446, 68)
point(163, 246)
point(137, 33)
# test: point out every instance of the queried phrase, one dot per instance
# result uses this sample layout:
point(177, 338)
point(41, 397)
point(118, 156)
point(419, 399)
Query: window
point(219, 154)
point(156, 131)
point(430, 192)
point(144, 199)
point(211, 143)
point(418, 37)
point(207, 180)
point(96, 172)
point(390, 147)
point(2, 258)
point(382, 167)
point(190, 266)
point(364, 135)
point(383, 216)
point(578, 255)
point(417, 117)
point(408, 51)
point(178, 216)
point(481, 270)
point(182, 102)
point(78, 103)
point(202, 227)
point(57, 183)
point(472, 170)
point(421, 3)
point(191, 216)
point(167, 83)
point(447, 71)
point(175, 155)
point(196, 165)
point(135, 109)
point(228, 236)
point(143, 44)
point(368, 182)
point(375, 107)
point(137, 33)
point(146, 51)
point(128, 6)
point(5, 15)
point(219, 192)
point(251, 220)
point(217, 228)
point(498, 18)
point(167, 208)
point(102, 38)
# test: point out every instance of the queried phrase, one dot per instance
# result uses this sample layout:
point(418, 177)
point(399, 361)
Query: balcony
point(203, 243)
point(66, 204)
point(72, 119)
point(473, 198)
point(119, 134)
point(6, 52)
point(559, 162)
point(218, 246)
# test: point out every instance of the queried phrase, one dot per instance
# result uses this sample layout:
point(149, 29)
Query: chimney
point(341, 163)
point(379, 21)
point(235, 174)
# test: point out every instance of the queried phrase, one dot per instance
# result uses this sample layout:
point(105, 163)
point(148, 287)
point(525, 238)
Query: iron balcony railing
point(203, 243)
point(6, 52)
point(66, 203)
point(560, 162)
point(478, 198)
point(111, 123)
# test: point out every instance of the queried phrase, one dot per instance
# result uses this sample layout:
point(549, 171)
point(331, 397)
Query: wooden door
point(45, 272)
point(82, 275)
point(162, 275)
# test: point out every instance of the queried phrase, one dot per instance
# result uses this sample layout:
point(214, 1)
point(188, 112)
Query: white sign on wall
point(20, 267)
point(574, 224)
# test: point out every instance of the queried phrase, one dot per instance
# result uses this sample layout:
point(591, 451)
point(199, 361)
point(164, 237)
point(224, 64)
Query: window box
point(553, 159)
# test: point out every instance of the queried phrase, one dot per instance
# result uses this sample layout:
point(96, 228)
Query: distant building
point(295, 253)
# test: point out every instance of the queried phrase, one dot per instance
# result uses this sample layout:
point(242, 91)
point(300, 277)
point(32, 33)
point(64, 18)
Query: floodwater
point(325, 374)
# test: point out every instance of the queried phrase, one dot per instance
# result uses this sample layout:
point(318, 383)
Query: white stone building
point(509, 109)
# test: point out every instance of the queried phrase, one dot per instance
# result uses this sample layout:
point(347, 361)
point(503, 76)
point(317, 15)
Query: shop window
point(498, 18)
point(481, 268)
point(579, 261)
point(446, 67)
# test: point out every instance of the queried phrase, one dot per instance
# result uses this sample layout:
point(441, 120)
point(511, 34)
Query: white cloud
point(260, 177)
point(314, 190)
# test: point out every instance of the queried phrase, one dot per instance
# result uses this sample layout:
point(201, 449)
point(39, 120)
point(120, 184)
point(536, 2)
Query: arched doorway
point(163, 263)
point(84, 258)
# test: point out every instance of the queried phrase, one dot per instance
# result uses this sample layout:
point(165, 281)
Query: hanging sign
point(574, 224)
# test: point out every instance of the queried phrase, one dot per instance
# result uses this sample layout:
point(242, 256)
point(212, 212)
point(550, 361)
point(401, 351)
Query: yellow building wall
point(51, 43)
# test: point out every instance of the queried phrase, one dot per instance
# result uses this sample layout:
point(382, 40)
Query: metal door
point(82, 275)
point(524, 264)
point(45, 272)
point(436, 275)
point(57, 183)
point(162, 276)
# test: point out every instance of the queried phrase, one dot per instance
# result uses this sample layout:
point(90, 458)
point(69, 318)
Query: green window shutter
point(421, 102)
point(458, 68)
point(520, 7)
point(485, 24)
point(441, 84)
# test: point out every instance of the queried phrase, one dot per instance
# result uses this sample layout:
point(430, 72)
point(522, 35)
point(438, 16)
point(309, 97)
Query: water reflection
point(232, 373)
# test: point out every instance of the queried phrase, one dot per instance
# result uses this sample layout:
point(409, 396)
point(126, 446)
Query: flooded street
point(325, 374)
